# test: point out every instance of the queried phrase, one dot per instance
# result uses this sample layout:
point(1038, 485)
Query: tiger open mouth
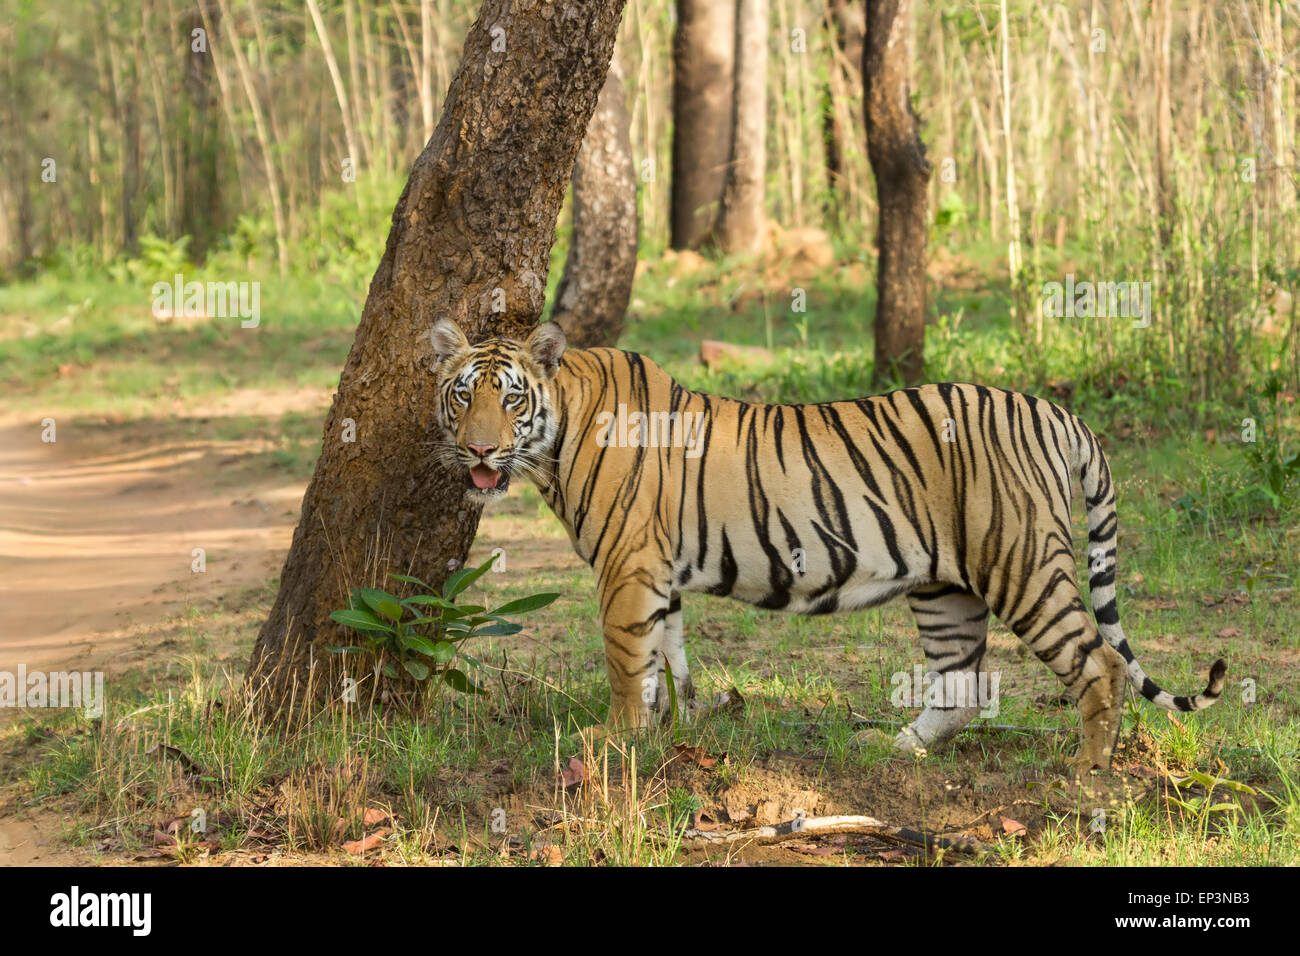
point(486, 480)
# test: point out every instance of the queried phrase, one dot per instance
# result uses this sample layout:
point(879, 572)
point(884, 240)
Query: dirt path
point(98, 528)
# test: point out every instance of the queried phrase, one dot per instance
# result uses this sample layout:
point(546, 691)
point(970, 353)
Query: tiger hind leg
point(954, 626)
point(1062, 634)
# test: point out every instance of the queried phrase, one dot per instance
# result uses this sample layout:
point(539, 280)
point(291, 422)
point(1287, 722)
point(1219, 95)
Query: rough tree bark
point(742, 219)
point(470, 238)
point(703, 61)
point(592, 297)
point(902, 175)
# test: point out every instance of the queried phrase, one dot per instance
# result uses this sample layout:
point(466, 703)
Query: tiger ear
point(448, 340)
point(546, 346)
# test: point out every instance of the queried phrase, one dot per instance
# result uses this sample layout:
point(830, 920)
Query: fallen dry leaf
point(176, 849)
point(729, 701)
point(573, 774)
point(367, 844)
point(1013, 827)
point(1229, 632)
point(812, 849)
point(549, 854)
point(703, 822)
point(371, 815)
point(692, 755)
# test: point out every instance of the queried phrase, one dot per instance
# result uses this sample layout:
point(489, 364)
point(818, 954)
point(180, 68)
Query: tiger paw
point(871, 737)
point(905, 742)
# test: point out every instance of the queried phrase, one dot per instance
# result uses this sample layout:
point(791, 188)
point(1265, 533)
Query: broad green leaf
point(390, 671)
point(457, 679)
point(416, 669)
point(418, 643)
point(525, 604)
point(420, 599)
point(444, 651)
point(361, 620)
point(464, 578)
point(1204, 779)
point(499, 629)
point(1239, 787)
point(456, 612)
point(381, 602)
point(408, 579)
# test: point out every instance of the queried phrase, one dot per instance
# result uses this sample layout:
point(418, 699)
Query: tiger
point(954, 496)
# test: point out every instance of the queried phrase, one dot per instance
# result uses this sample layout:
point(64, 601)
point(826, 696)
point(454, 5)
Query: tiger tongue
point(484, 477)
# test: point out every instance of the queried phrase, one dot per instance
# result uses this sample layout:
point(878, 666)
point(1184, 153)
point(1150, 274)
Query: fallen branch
point(859, 721)
point(821, 826)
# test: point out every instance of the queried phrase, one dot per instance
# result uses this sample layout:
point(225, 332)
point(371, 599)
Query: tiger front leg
point(674, 653)
point(642, 629)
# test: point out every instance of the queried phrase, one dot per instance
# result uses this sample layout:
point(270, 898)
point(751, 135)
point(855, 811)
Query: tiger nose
point(482, 450)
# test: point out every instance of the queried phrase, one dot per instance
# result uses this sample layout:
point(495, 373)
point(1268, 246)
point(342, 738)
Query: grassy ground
point(1207, 569)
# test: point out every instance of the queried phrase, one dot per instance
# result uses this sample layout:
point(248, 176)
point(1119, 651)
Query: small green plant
point(423, 634)
point(159, 259)
point(1272, 470)
point(1262, 479)
point(1201, 806)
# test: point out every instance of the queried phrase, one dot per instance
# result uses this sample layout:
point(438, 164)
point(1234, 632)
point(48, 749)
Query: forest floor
point(97, 544)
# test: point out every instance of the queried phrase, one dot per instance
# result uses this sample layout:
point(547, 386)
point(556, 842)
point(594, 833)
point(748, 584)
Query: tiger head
point(494, 406)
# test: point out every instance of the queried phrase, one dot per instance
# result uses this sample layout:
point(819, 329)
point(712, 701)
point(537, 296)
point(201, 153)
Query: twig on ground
point(821, 826)
point(859, 721)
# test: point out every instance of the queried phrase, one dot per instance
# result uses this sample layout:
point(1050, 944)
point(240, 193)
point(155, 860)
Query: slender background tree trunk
point(1162, 15)
point(473, 228)
point(845, 18)
point(742, 220)
point(902, 176)
point(592, 298)
point(703, 60)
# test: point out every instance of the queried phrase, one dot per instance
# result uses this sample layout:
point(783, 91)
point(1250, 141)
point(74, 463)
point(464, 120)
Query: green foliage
point(952, 212)
point(159, 259)
point(1272, 470)
point(423, 634)
point(1261, 477)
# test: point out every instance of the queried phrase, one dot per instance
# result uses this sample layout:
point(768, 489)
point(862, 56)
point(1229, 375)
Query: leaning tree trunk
point(470, 238)
point(592, 298)
point(742, 220)
point(703, 61)
point(902, 175)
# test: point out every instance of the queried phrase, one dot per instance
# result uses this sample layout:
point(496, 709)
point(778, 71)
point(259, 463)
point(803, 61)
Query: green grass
point(1216, 578)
